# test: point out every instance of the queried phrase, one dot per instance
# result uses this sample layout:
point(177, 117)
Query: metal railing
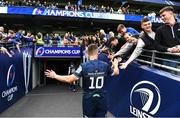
point(164, 60)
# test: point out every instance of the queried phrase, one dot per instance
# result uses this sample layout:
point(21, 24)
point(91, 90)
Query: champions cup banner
point(75, 14)
point(57, 52)
point(143, 92)
point(15, 77)
point(63, 13)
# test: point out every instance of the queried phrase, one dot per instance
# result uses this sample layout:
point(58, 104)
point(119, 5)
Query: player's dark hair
point(92, 48)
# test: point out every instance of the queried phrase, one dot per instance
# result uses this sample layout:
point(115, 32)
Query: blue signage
point(143, 92)
point(20, 10)
point(77, 14)
point(15, 77)
point(58, 52)
point(130, 17)
point(137, 18)
point(64, 13)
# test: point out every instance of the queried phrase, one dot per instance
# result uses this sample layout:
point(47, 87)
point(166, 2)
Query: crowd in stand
point(123, 9)
point(21, 37)
point(74, 7)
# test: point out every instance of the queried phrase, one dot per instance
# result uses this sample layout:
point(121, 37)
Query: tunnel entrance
point(60, 66)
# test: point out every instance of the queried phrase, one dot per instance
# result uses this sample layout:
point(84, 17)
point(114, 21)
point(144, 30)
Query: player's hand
point(3, 49)
point(115, 62)
point(123, 65)
point(116, 56)
point(50, 74)
point(119, 59)
point(110, 56)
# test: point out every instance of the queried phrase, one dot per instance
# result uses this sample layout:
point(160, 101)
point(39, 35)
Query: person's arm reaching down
point(135, 53)
point(127, 46)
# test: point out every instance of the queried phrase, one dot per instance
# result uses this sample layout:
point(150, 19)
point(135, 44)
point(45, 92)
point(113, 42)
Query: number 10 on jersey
point(96, 83)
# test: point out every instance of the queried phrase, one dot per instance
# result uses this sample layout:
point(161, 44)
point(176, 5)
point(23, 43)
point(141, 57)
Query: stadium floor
point(48, 101)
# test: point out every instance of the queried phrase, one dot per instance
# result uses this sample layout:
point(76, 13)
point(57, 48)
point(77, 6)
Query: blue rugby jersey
point(93, 73)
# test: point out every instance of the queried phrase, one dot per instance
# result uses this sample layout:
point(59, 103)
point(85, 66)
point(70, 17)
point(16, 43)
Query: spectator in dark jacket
point(168, 35)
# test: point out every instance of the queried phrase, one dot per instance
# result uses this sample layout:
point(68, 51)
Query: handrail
point(168, 53)
point(152, 60)
point(158, 58)
point(160, 65)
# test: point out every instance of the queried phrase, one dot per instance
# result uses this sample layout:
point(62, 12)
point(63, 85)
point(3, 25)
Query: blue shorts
point(94, 105)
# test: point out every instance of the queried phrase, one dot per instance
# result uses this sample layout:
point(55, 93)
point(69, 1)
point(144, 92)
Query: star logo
point(39, 11)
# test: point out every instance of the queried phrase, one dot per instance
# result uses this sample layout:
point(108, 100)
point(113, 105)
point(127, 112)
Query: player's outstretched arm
point(115, 67)
point(64, 78)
